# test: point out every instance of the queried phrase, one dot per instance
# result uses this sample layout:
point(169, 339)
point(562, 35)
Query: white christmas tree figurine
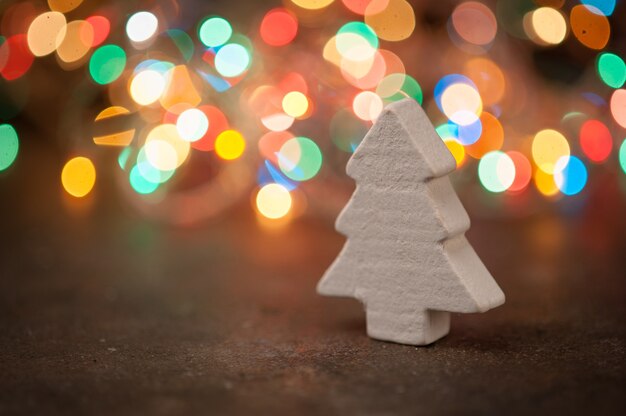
point(406, 257)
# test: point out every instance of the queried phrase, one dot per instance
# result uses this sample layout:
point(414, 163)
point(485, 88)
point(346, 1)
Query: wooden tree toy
point(406, 257)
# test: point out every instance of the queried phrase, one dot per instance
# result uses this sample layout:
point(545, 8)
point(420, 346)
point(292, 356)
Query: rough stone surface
point(102, 313)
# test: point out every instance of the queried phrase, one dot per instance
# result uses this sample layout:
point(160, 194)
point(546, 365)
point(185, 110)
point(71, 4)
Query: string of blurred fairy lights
point(236, 99)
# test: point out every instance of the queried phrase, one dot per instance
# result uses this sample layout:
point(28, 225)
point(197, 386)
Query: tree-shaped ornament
point(406, 257)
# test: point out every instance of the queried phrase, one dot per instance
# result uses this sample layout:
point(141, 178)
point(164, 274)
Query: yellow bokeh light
point(120, 138)
point(147, 87)
point(77, 41)
point(392, 20)
point(312, 4)
point(230, 145)
point(64, 6)
point(46, 32)
point(547, 148)
point(331, 53)
point(78, 176)
point(273, 201)
point(457, 150)
point(168, 151)
point(545, 184)
point(546, 26)
point(295, 104)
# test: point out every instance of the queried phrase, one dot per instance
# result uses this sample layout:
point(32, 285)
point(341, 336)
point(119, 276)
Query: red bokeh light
point(595, 140)
point(101, 29)
point(217, 124)
point(523, 171)
point(279, 27)
point(18, 57)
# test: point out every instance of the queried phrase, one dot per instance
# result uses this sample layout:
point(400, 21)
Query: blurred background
point(183, 110)
point(170, 172)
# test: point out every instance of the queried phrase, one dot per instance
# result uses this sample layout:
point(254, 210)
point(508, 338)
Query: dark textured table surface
point(103, 312)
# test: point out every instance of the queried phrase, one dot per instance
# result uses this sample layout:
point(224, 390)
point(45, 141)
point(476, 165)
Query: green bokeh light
point(351, 38)
point(9, 146)
point(123, 157)
point(107, 64)
point(612, 69)
point(140, 184)
point(214, 32)
point(496, 171)
point(300, 158)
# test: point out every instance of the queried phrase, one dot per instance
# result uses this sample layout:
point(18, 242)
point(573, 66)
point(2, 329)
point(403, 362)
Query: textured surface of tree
point(406, 257)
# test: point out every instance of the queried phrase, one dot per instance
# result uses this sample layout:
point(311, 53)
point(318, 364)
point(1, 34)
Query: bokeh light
point(300, 159)
point(121, 136)
point(139, 183)
point(64, 6)
point(295, 104)
point(546, 26)
point(392, 20)
point(474, 22)
point(273, 201)
point(591, 29)
point(215, 31)
point(545, 183)
point(217, 124)
point(523, 171)
point(612, 69)
point(469, 134)
point(107, 64)
point(604, 7)
point(9, 146)
point(595, 140)
point(496, 171)
point(367, 105)
point(324, 69)
point(17, 57)
point(142, 26)
point(232, 60)
point(101, 28)
point(312, 4)
point(230, 145)
point(77, 41)
point(461, 103)
point(46, 33)
point(78, 176)
point(356, 41)
point(571, 176)
point(547, 148)
point(147, 87)
point(457, 150)
point(192, 124)
point(278, 27)
point(164, 148)
point(618, 107)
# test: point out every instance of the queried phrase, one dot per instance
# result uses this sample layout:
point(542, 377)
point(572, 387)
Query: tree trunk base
point(420, 328)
